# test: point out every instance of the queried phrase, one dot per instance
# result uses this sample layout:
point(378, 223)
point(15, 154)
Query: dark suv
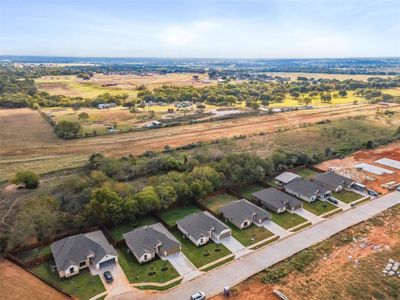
point(107, 275)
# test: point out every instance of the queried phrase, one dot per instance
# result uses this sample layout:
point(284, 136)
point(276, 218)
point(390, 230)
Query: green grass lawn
point(32, 254)
point(215, 202)
point(83, 285)
point(306, 173)
point(117, 232)
point(248, 190)
point(319, 207)
point(196, 254)
point(250, 235)
point(287, 220)
point(136, 272)
point(271, 182)
point(347, 196)
point(170, 216)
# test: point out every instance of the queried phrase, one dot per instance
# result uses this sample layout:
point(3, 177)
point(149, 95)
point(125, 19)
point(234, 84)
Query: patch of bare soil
point(16, 283)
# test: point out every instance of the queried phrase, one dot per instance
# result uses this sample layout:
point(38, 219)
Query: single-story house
point(106, 105)
point(286, 177)
point(276, 200)
point(333, 181)
point(77, 252)
point(307, 190)
point(147, 241)
point(201, 227)
point(243, 213)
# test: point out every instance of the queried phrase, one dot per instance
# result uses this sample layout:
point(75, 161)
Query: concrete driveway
point(308, 215)
point(234, 246)
point(183, 266)
point(276, 229)
point(120, 283)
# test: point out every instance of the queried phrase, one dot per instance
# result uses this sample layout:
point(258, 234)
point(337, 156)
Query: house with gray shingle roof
point(77, 252)
point(146, 242)
point(201, 227)
point(333, 181)
point(307, 190)
point(243, 213)
point(276, 200)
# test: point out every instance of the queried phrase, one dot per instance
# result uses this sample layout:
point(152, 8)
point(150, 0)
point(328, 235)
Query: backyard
point(202, 255)
point(117, 232)
point(305, 173)
point(83, 285)
point(250, 235)
point(29, 255)
point(347, 196)
point(170, 216)
point(154, 271)
point(249, 189)
point(319, 207)
point(214, 203)
point(287, 220)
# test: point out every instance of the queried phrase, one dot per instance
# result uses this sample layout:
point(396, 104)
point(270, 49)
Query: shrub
point(274, 275)
point(29, 178)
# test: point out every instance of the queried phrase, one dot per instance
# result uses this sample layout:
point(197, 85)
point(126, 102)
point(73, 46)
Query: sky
point(201, 28)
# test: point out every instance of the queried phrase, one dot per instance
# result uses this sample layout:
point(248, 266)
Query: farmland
point(37, 148)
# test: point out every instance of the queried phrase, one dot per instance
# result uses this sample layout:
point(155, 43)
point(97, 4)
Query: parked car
point(398, 188)
point(198, 296)
point(333, 200)
point(107, 275)
point(372, 193)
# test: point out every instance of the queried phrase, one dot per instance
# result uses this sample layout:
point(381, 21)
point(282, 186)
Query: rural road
point(231, 274)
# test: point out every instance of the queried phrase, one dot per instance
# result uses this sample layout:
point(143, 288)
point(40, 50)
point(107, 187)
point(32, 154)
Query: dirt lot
point(16, 283)
point(41, 151)
point(349, 271)
point(372, 181)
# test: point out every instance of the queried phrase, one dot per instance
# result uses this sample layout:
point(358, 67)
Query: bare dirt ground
point(16, 283)
point(350, 271)
point(40, 150)
point(373, 181)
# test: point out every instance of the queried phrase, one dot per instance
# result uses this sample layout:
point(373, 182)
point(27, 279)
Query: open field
point(83, 285)
point(72, 86)
point(338, 268)
point(215, 202)
point(16, 283)
point(372, 181)
point(38, 149)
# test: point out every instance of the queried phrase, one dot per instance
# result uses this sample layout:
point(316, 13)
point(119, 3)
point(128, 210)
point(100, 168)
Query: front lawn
point(82, 286)
point(305, 173)
point(347, 196)
point(29, 255)
point(170, 216)
point(214, 203)
point(117, 232)
point(250, 235)
point(154, 271)
point(202, 255)
point(287, 220)
point(319, 207)
point(248, 190)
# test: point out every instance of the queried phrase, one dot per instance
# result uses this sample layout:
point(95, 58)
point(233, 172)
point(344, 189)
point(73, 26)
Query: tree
point(295, 94)
point(307, 101)
point(342, 93)
point(107, 206)
point(83, 116)
point(29, 178)
point(67, 130)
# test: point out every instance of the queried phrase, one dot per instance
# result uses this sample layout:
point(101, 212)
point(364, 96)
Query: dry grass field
point(41, 151)
point(16, 284)
point(70, 85)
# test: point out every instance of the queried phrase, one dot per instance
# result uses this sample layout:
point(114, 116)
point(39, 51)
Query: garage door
point(107, 263)
point(225, 234)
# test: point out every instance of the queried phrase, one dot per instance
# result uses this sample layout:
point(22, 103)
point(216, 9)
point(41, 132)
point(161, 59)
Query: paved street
point(213, 282)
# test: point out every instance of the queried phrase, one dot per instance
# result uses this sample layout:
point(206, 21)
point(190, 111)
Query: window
point(82, 264)
point(71, 270)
